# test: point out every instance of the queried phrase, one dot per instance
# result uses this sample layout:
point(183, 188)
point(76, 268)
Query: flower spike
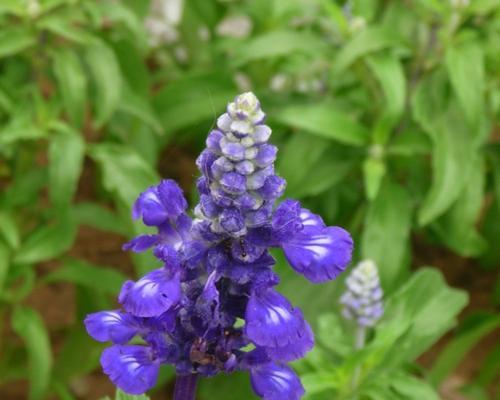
point(214, 297)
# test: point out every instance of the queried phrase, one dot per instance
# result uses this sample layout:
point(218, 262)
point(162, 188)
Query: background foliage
point(386, 115)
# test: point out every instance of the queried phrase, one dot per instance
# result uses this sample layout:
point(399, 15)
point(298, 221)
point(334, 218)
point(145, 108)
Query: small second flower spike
point(213, 307)
point(362, 301)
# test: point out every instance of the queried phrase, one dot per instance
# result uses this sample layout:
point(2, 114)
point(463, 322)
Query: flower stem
point(360, 337)
point(185, 387)
point(359, 344)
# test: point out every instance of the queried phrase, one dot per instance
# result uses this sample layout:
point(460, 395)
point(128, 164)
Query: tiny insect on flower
point(214, 297)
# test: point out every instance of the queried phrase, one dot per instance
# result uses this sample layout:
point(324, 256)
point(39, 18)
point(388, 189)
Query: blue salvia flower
point(362, 301)
point(212, 307)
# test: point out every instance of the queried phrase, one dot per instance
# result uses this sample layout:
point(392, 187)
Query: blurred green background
point(386, 114)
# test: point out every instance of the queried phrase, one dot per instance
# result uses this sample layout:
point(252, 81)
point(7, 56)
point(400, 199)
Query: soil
point(56, 304)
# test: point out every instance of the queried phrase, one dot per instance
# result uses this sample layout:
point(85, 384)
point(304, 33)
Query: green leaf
point(121, 13)
point(192, 99)
point(79, 355)
point(9, 230)
point(430, 101)
point(328, 172)
point(62, 25)
point(411, 388)
point(380, 391)
point(373, 172)
point(4, 264)
point(451, 162)
point(125, 173)
point(28, 324)
point(12, 7)
point(410, 143)
point(222, 388)
point(495, 165)
point(457, 228)
point(15, 40)
point(299, 149)
point(106, 72)
point(314, 300)
point(140, 108)
point(275, 44)
point(490, 367)
point(72, 83)
point(390, 74)
point(24, 188)
point(96, 216)
point(62, 391)
point(325, 121)
point(367, 41)
point(46, 242)
point(468, 79)
point(104, 279)
point(457, 348)
point(6, 103)
point(66, 152)
point(322, 166)
point(482, 7)
point(20, 127)
point(386, 233)
point(421, 311)
point(475, 392)
point(133, 67)
point(331, 335)
point(315, 382)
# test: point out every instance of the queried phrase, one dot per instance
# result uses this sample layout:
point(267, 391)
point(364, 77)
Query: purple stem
point(185, 387)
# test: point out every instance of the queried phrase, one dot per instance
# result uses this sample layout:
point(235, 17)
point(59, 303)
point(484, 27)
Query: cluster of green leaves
point(73, 85)
point(416, 315)
point(385, 119)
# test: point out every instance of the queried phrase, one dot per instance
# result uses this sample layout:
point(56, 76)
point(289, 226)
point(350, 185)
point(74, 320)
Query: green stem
point(358, 345)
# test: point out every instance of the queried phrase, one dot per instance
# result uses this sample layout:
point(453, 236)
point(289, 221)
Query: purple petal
point(260, 217)
point(266, 155)
point(261, 133)
point(248, 201)
point(150, 207)
point(207, 305)
point(205, 161)
point(131, 368)
point(233, 183)
point(245, 167)
point(311, 220)
point(112, 326)
point(219, 167)
point(232, 221)
point(158, 203)
point(233, 150)
point(257, 179)
point(168, 255)
point(208, 207)
point(141, 243)
point(295, 350)
point(213, 140)
point(286, 221)
point(243, 250)
point(202, 185)
point(151, 295)
point(274, 186)
point(271, 321)
point(320, 254)
point(172, 198)
point(273, 381)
